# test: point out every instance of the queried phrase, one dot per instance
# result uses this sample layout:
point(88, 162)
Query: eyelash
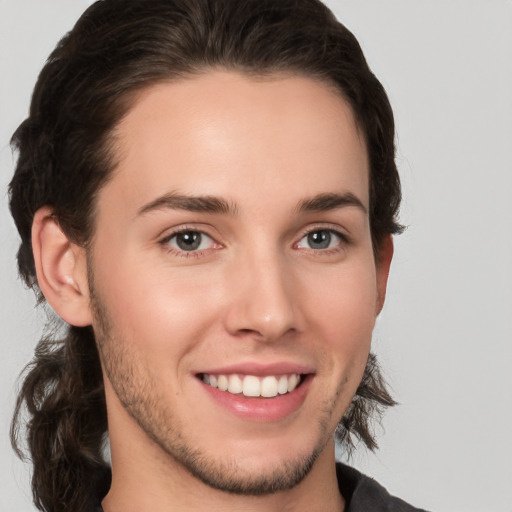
point(164, 242)
point(344, 240)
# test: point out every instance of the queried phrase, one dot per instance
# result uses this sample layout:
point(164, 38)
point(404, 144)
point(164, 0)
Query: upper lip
point(260, 370)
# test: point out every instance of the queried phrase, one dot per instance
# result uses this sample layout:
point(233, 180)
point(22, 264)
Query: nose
point(264, 304)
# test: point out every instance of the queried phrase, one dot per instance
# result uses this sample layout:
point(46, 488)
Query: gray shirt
point(364, 494)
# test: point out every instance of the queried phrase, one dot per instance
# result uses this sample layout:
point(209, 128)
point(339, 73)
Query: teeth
point(282, 385)
point(235, 384)
point(252, 386)
point(222, 383)
point(292, 382)
point(269, 387)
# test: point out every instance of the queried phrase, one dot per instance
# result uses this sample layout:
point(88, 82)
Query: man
point(206, 193)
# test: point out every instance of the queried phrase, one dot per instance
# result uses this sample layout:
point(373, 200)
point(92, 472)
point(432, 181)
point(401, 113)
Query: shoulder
point(363, 493)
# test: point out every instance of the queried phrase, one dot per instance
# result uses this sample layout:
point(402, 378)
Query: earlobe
point(61, 269)
point(383, 262)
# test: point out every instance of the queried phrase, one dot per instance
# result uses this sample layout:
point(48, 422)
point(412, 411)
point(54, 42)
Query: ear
point(61, 268)
point(383, 262)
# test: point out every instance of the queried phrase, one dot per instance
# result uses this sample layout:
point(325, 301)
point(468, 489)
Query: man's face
point(233, 250)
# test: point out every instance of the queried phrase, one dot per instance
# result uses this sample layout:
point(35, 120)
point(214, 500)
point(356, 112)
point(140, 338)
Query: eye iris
point(188, 241)
point(319, 239)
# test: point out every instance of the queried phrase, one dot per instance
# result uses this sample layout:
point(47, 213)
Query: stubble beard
point(140, 397)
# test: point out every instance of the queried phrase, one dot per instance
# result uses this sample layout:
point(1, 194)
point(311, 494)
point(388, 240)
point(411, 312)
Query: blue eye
point(190, 241)
point(320, 239)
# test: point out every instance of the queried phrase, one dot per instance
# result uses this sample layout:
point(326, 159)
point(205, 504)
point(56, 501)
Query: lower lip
point(258, 408)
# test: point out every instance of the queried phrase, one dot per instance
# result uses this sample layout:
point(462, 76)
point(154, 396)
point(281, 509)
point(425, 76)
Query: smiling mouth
point(252, 386)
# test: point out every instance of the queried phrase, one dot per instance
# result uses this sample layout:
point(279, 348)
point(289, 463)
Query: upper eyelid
point(178, 252)
point(335, 228)
point(180, 231)
point(168, 233)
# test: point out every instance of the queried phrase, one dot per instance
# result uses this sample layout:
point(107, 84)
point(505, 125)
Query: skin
point(256, 291)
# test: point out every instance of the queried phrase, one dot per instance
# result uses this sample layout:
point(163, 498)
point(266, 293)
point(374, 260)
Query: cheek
point(343, 310)
point(159, 312)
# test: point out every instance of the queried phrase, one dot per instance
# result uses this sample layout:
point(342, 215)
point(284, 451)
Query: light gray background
point(445, 336)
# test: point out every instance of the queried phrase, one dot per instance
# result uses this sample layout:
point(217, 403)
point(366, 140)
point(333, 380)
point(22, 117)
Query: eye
point(320, 239)
point(190, 241)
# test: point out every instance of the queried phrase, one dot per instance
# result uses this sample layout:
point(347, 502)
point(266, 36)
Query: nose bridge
point(263, 302)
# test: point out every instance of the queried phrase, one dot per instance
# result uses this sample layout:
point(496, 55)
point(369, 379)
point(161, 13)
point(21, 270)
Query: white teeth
point(252, 386)
point(292, 382)
point(282, 385)
point(269, 387)
point(222, 383)
point(235, 384)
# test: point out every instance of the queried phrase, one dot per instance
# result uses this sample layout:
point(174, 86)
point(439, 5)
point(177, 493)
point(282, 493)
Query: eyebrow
point(212, 204)
point(330, 201)
point(175, 201)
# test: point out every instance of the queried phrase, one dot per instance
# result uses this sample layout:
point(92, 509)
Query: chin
point(250, 477)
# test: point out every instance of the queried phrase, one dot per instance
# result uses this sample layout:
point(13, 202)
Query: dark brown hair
point(65, 156)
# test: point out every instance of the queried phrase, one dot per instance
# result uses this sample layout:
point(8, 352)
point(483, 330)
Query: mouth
point(260, 393)
point(253, 386)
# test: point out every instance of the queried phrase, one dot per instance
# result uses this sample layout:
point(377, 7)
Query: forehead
point(223, 133)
